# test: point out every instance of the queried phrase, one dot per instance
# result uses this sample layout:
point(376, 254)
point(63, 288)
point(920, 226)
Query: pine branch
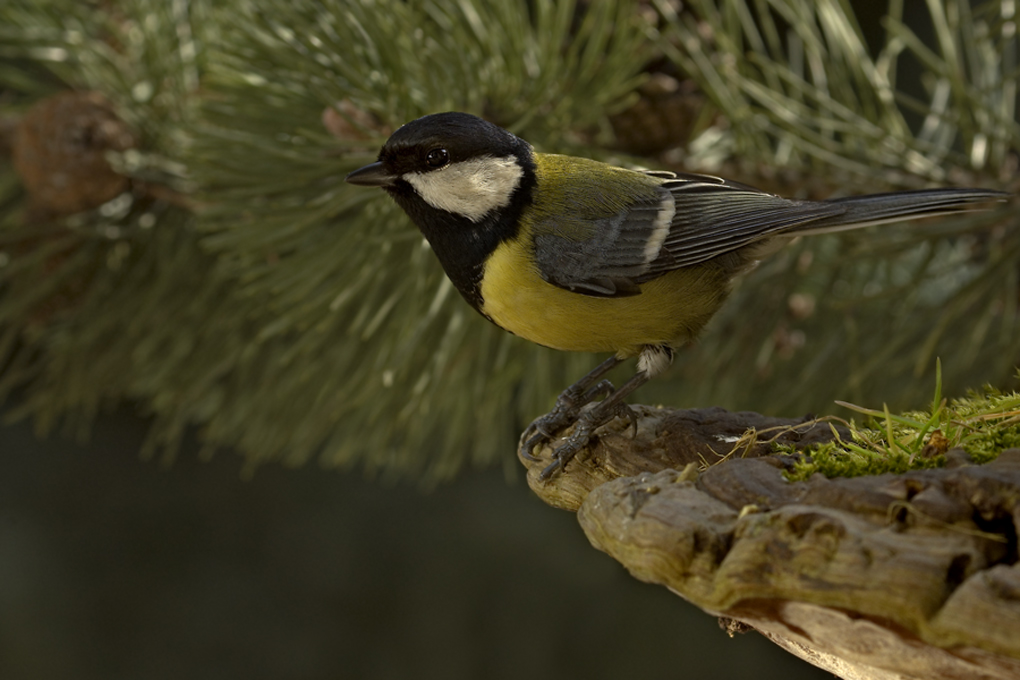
point(314, 340)
point(864, 314)
point(241, 287)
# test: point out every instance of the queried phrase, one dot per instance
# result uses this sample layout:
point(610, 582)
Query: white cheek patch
point(469, 188)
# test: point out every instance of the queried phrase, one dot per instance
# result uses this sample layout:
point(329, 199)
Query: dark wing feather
point(715, 217)
point(603, 257)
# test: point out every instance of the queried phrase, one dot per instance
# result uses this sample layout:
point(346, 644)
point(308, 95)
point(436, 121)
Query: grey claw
point(549, 470)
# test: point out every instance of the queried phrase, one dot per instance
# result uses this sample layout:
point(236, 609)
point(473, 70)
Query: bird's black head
point(463, 181)
point(452, 162)
point(435, 141)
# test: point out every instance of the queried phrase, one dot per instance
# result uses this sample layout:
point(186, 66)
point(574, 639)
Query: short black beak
point(372, 175)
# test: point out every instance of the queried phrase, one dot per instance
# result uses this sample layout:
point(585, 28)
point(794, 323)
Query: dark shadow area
point(113, 567)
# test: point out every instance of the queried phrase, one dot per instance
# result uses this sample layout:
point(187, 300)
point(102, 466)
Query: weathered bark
point(889, 576)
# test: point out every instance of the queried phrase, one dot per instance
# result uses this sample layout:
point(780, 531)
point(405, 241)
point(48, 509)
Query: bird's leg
point(569, 405)
point(594, 418)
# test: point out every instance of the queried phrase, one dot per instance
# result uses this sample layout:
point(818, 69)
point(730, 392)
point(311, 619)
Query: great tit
point(579, 255)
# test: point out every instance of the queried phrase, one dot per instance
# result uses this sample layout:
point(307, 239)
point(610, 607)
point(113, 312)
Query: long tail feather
point(862, 211)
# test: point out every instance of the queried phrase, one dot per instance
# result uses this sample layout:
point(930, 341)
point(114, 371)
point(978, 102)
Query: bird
point(580, 255)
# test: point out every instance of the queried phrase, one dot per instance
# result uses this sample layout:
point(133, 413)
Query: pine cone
point(59, 150)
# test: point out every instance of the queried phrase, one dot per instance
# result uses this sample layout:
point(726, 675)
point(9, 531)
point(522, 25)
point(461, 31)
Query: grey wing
point(715, 217)
point(696, 218)
point(690, 219)
point(606, 256)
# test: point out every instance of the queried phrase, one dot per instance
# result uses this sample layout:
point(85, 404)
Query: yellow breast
point(670, 310)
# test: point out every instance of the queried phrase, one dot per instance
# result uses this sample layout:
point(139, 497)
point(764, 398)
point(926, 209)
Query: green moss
point(982, 424)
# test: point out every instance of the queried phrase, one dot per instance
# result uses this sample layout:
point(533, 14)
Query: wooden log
point(903, 576)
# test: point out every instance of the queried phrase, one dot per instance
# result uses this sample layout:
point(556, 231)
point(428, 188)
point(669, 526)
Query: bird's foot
point(565, 412)
point(584, 430)
point(571, 409)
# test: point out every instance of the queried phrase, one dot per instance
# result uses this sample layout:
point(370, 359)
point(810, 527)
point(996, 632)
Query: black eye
point(437, 158)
